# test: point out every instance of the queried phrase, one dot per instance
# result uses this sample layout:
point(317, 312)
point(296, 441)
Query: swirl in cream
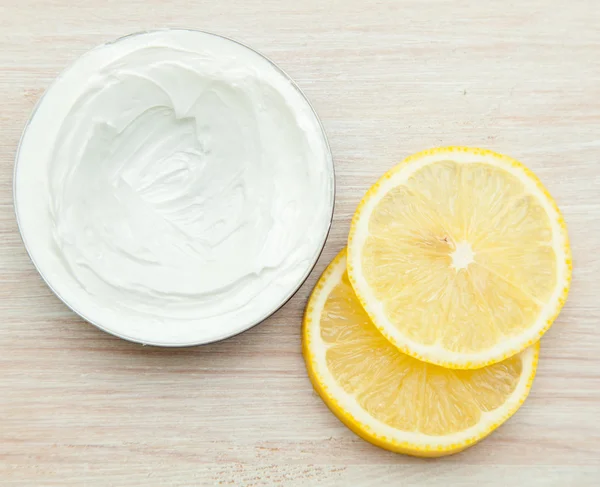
point(174, 187)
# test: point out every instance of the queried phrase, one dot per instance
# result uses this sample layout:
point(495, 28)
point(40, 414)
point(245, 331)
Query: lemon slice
point(460, 257)
point(391, 399)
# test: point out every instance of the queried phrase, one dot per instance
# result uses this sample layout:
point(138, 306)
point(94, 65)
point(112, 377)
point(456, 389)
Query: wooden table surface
point(388, 78)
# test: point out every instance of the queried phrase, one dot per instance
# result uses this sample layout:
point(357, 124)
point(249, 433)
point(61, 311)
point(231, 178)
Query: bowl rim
point(224, 336)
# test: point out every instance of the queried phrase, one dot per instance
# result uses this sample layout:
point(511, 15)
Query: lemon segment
point(391, 399)
point(460, 257)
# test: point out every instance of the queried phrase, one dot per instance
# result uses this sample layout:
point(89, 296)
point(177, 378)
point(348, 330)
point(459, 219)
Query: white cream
point(174, 187)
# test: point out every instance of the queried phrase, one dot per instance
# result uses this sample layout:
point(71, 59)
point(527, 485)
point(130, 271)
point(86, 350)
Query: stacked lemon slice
point(422, 336)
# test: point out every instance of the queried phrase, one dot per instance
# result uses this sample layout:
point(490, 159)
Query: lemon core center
point(462, 256)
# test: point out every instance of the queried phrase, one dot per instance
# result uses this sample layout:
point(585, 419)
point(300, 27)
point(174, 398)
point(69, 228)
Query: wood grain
point(388, 78)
